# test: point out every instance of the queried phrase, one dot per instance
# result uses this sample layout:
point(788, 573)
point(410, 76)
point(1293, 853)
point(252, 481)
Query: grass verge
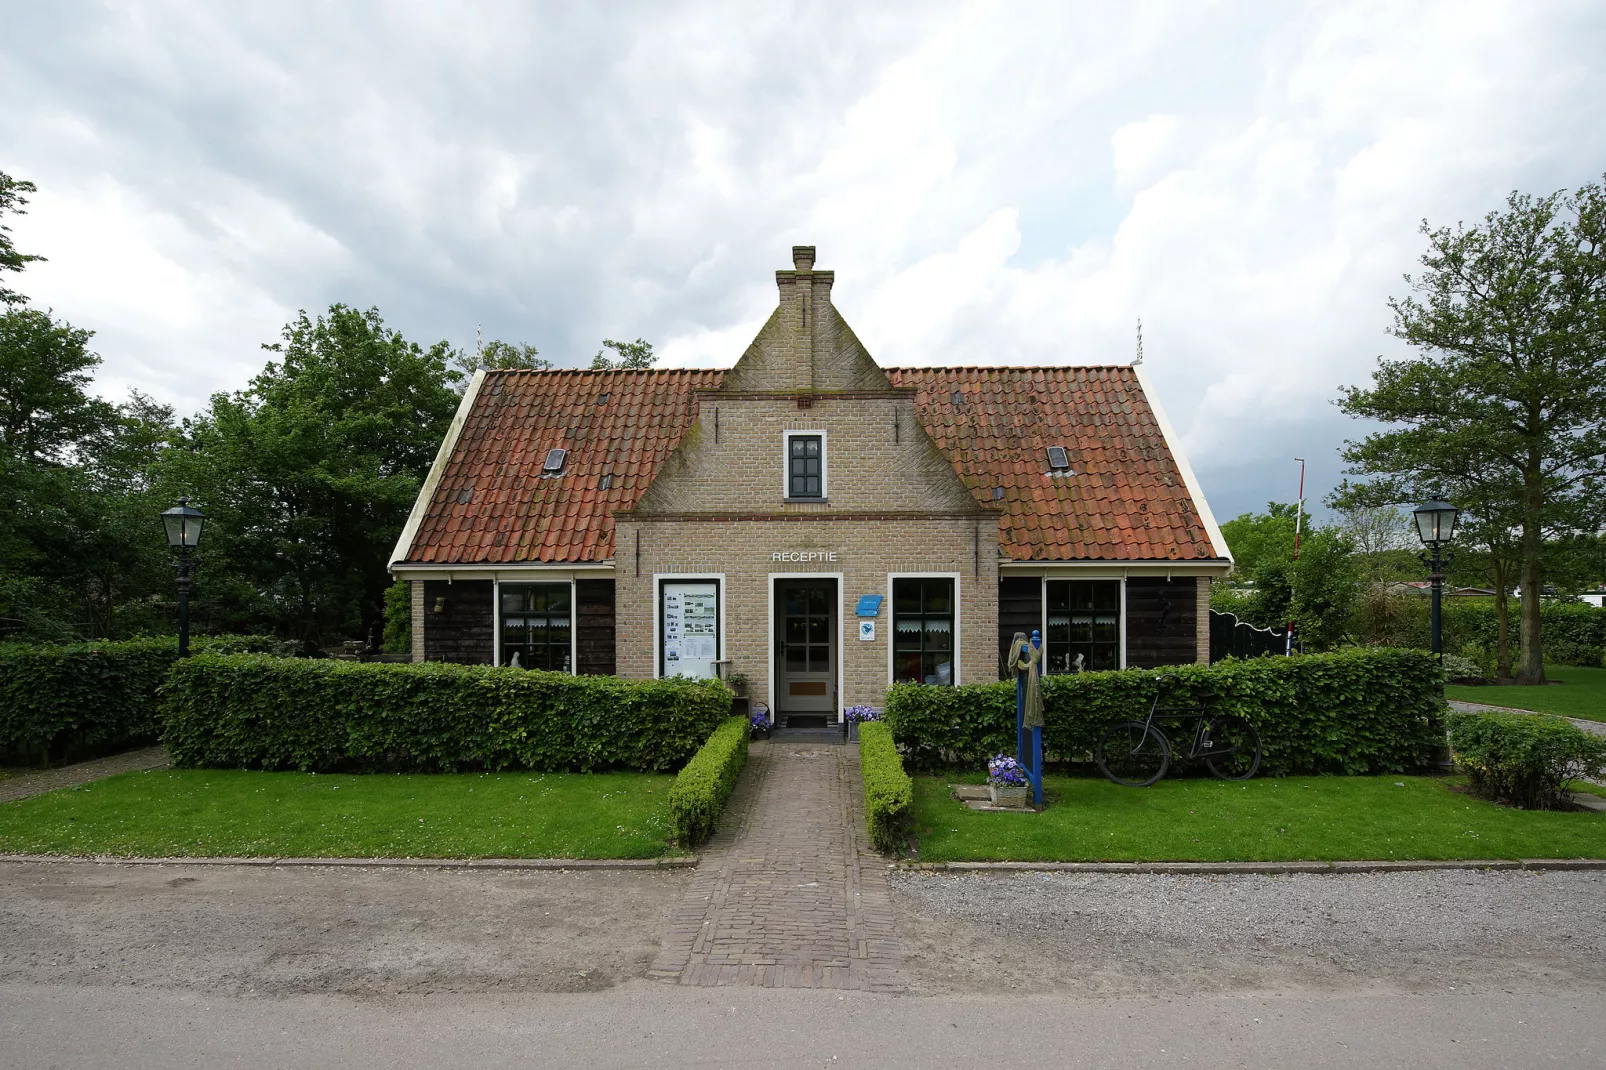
point(1581, 693)
point(208, 812)
point(1285, 819)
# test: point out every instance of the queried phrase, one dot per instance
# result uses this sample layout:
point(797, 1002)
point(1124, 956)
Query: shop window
point(923, 630)
point(805, 466)
point(538, 626)
point(1084, 625)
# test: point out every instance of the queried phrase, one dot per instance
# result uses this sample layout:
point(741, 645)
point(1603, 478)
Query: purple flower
point(1005, 772)
point(861, 714)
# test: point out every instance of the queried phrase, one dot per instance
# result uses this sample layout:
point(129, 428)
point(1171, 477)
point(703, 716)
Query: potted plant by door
point(738, 683)
point(1006, 781)
point(759, 722)
point(857, 715)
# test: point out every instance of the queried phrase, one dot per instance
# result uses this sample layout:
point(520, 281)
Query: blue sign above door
point(869, 606)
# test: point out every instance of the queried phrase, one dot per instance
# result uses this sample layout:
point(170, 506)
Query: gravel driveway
point(1154, 934)
point(280, 932)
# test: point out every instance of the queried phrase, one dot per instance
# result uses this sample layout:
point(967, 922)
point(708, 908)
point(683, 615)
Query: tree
point(11, 201)
point(308, 474)
point(1316, 593)
point(1506, 399)
point(637, 354)
point(45, 372)
point(497, 355)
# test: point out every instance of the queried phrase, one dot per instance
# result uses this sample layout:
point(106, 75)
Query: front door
point(805, 646)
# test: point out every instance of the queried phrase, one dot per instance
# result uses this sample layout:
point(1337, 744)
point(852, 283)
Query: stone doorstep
point(1253, 868)
point(375, 863)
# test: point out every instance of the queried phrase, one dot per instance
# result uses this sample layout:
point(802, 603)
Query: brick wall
point(1201, 620)
point(417, 618)
point(867, 552)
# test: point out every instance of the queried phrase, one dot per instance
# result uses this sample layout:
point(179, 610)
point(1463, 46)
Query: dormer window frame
point(786, 464)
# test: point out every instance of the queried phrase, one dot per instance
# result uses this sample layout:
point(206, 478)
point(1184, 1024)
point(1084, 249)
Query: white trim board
point(426, 493)
point(841, 647)
point(1188, 478)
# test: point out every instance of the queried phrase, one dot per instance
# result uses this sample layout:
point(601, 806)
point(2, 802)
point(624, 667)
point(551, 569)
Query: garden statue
point(1024, 659)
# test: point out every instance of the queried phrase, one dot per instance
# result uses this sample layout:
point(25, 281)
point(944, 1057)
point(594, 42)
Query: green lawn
point(1263, 820)
point(1581, 693)
point(217, 812)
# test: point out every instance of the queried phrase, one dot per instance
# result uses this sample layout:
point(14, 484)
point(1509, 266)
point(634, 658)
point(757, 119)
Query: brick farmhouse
point(810, 520)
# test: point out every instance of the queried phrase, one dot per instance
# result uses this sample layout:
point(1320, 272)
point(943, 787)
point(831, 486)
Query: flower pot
point(1007, 796)
point(853, 731)
point(761, 733)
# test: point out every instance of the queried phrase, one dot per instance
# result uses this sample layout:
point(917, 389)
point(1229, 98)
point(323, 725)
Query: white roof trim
point(1188, 478)
point(436, 470)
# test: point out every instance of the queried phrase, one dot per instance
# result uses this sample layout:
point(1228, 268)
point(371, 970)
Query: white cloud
point(990, 184)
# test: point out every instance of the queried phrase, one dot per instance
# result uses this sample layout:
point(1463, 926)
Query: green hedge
point(1354, 711)
point(699, 792)
point(59, 700)
point(270, 713)
point(889, 794)
point(1525, 759)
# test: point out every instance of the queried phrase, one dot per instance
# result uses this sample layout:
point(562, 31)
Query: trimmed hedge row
point(1525, 759)
point(1368, 710)
point(699, 792)
point(269, 713)
point(62, 699)
point(889, 794)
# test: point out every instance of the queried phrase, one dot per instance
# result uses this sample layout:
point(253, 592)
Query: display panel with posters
point(688, 638)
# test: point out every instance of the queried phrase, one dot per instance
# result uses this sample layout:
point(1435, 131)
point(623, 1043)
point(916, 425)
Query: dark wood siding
point(1020, 609)
point(594, 621)
point(464, 629)
point(1160, 622)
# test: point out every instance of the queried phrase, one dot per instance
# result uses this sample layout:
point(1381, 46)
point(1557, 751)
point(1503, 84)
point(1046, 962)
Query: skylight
point(555, 460)
point(1059, 460)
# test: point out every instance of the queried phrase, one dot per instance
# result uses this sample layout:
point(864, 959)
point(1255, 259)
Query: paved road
point(652, 1024)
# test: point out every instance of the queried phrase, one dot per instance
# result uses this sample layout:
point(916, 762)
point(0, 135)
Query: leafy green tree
point(497, 355)
point(1317, 592)
point(46, 369)
point(637, 354)
point(398, 637)
point(11, 202)
point(1508, 388)
point(308, 474)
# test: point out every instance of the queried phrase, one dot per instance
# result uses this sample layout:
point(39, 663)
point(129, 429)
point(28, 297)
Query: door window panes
point(923, 630)
point(537, 626)
point(805, 471)
point(1084, 620)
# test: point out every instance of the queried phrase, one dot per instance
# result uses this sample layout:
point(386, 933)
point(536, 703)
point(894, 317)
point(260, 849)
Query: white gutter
point(433, 481)
point(1188, 478)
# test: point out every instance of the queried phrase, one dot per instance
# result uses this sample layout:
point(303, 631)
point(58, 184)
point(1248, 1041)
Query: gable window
point(1084, 625)
point(923, 630)
point(805, 465)
point(537, 626)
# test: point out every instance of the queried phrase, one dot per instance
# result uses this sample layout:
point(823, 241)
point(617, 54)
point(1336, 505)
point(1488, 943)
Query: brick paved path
point(70, 776)
point(788, 894)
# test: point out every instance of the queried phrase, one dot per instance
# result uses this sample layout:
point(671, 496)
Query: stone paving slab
point(788, 894)
point(71, 776)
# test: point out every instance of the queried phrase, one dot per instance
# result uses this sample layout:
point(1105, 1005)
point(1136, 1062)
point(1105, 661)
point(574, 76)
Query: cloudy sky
point(1010, 183)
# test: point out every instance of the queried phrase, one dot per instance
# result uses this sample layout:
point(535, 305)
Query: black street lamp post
point(1435, 526)
point(183, 526)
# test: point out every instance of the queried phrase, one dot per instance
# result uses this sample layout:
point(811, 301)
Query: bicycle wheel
point(1133, 753)
point(1234, 752)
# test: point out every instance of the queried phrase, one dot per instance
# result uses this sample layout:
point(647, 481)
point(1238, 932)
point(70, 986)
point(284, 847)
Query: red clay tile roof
point(492, 504)
point(1126, 501)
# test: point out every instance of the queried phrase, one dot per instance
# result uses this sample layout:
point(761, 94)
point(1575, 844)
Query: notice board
point(689, 621)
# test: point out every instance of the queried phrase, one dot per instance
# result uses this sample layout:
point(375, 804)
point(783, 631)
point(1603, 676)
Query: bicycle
point(1138, 753)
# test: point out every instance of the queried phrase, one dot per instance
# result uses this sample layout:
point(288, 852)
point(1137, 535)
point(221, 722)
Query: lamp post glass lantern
point(1435, 526)
point(183, 526)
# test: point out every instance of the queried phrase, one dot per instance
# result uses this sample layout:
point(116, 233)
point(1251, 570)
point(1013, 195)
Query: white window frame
point(574, 618)
point(773, 691)
point(892, 617)
point(1042, 601)
point(786, 464)
point(658, 579)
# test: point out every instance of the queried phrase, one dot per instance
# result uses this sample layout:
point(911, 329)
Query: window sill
point(805, 501)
